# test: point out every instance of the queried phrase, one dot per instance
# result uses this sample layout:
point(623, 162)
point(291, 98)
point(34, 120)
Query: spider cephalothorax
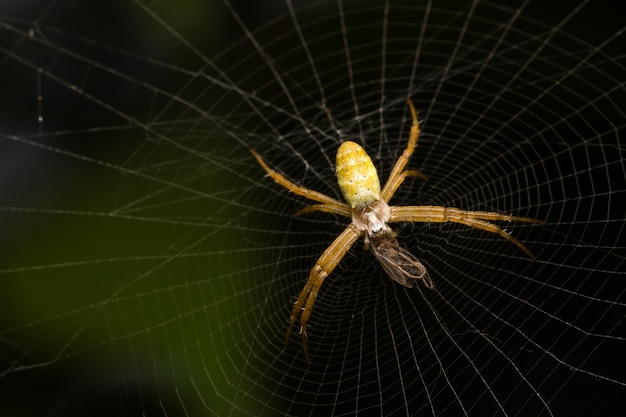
point(360, 186)
point(367, 206)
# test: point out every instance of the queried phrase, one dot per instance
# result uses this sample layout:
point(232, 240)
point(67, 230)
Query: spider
point(367, 206)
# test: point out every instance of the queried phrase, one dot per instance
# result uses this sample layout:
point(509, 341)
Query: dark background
point(56, 317)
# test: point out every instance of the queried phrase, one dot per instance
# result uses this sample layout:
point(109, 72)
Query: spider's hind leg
point(392, 185)
point(398, 174)
point(342, 210)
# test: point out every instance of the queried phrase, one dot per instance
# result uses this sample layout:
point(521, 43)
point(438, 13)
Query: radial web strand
point(150, 266)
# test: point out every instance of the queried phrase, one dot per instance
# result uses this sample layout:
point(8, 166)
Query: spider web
point(149, 266)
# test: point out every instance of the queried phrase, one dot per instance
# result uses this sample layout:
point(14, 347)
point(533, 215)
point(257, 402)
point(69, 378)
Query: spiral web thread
point(150, 265)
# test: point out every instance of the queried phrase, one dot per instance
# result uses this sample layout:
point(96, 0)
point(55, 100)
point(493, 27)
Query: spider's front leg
point(323, 267)
point(307, 298)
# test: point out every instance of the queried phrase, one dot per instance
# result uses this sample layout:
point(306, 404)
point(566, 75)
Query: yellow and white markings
point(356, 175)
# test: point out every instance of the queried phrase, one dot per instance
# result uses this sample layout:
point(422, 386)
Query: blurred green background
point(127, 260)
point(117, 280)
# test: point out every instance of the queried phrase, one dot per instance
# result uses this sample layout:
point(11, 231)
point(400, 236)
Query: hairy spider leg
point(296, 189)
point(397, 176)
point(326, 208)
point(340, 246)
point(475, 219)
point(394, 183)
point(323, 267)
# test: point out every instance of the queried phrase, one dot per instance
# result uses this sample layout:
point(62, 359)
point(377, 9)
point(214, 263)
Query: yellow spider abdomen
point(356, 175)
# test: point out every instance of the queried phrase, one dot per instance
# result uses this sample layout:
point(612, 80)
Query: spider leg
point(399, 179)
point(475, 219)
point(393, 182)
point(296, 189)
point(343, 210)
point(323, 267)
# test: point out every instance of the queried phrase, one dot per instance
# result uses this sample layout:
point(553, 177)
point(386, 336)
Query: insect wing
point(400, 264)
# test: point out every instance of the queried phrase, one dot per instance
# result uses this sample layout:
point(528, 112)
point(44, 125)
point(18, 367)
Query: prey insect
point(367, 205)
